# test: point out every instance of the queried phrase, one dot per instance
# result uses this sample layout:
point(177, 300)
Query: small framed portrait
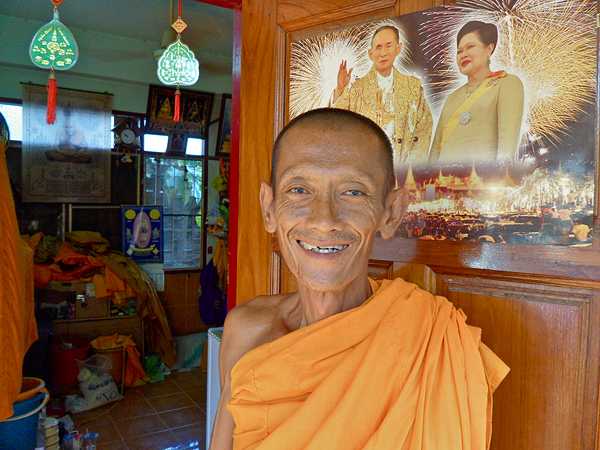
point(196, 108)
point(177, 142)
point(224, 136)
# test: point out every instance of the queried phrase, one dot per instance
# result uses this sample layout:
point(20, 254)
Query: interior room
point(119, 47)
point(135, 190)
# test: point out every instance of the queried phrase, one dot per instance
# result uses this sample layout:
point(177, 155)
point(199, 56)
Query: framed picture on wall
point(505, 158)
point(196, 108)
point(177, 143)
point(224, 136)
point(68, 162)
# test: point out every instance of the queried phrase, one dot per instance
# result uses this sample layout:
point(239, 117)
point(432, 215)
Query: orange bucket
point(30, 387)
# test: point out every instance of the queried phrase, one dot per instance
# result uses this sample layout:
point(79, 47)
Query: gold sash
point(469, 101)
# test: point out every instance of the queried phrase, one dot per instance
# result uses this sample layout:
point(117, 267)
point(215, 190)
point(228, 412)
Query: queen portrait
point(481, 120)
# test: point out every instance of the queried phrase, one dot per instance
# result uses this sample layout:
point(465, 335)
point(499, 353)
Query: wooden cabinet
point(92, 315)
point(90, 329)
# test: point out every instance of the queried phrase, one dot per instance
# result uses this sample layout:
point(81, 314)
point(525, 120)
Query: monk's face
point(328, 203)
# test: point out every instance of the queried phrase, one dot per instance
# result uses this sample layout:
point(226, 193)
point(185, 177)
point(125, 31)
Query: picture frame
point(67, 162)
point(223, 148)
point(196, 109)
point(541, 192)
point(177, 142)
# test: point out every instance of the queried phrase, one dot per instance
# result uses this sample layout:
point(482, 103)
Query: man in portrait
point(394, 101)
point(346, 361)
point(70, 144)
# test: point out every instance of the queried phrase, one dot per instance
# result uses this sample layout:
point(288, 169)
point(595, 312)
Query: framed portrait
point(69, 161)
point(177, 142)
point(196, 108)
point(224, 136)
point(494, 147)
point(142, 232)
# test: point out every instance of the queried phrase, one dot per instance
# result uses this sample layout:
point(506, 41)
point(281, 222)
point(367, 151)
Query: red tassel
point(176, 114)
point(52, 91)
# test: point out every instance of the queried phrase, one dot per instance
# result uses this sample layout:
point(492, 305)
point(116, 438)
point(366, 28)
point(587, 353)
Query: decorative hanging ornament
point(53, 47)
point(178, 65)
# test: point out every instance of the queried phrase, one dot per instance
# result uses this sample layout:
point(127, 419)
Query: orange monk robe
point(18, 329)
point(402, 371)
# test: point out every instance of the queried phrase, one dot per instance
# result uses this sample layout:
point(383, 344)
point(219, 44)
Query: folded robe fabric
point(18, 329)
point(402, 371)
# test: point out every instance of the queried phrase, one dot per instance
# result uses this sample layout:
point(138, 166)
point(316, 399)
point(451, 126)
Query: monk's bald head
point(338, 121)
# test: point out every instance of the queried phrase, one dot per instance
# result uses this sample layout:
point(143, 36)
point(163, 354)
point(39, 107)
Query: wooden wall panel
point(543, 260)
point(294, 14)
point(257, 105)
point(546, 334)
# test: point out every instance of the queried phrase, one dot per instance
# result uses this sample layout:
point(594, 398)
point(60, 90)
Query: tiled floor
point(153, 417)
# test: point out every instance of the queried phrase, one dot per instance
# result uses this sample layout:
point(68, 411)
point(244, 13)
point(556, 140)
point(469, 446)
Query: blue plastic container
point(21, 434)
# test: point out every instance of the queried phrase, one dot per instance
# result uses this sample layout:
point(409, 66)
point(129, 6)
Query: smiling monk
point(346, 362)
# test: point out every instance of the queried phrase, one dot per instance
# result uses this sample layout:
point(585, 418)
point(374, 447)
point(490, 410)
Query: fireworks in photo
point(549, 45)
point(546, 194)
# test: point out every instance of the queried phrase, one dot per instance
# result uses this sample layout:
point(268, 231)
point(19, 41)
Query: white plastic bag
point(96, 384)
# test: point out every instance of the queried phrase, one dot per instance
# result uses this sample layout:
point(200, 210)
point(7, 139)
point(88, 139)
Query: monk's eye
point(298, 190)
point(353, 192)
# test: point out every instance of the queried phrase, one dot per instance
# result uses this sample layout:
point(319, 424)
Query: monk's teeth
point(316, 249)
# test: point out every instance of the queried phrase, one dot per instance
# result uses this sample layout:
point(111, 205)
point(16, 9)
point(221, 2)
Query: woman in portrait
point(481, 120)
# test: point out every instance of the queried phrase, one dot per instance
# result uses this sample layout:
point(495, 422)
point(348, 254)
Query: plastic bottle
point(40, 436)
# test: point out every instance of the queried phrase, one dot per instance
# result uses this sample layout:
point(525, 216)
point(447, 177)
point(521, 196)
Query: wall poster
point(490, 108)
point(68, 162)
point(142, 233)
point(196, 108)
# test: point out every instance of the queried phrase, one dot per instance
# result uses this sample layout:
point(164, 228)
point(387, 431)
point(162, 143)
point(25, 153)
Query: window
point(159, 143)
point(176, 184)
point(14, 118)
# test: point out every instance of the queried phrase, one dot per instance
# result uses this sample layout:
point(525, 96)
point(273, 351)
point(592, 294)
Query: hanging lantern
point(53, 47)
point(178, 65)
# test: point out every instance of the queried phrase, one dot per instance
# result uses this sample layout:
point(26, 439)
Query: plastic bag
point(96, 384)
point(155, 369)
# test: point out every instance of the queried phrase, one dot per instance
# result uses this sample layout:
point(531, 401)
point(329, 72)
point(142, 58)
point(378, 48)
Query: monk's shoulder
point(417, 297)
point(249, 325)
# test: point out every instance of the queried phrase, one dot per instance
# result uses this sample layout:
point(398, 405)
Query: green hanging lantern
point(178, 65)
point(53, 47)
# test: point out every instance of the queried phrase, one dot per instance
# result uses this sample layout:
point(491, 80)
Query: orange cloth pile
point(70, 265)
point(18, 328)
point(86, 257)
point(110, 285)
point(402, 371)
point(156, 328)
point(134, 372)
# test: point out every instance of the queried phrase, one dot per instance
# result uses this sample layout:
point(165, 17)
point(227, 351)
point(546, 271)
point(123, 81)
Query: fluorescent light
point(195, 147)
point(14, 118)
point(155, 143)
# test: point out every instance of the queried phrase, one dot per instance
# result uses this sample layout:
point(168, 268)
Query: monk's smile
point(323, 248)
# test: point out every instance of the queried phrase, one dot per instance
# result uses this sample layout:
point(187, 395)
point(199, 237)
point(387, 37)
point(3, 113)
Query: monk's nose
point(324, 215)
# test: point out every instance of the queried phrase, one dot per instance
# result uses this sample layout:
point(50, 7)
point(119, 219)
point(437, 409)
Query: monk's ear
point(395, 208)
point(267, 206)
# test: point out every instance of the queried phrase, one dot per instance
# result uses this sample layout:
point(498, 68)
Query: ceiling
point(209, 33)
